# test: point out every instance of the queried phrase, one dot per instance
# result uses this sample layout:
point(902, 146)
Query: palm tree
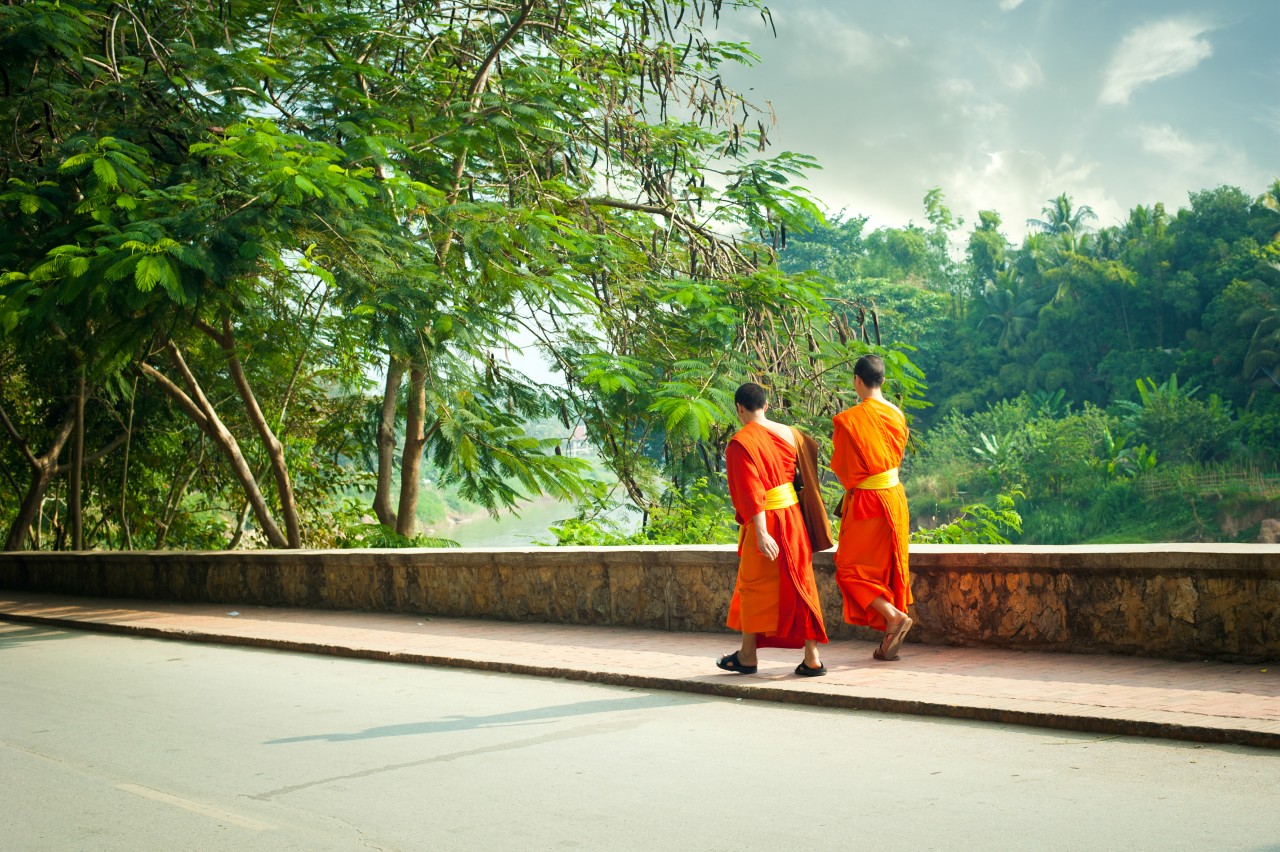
point(1061, 219)
point(1062, 241)
point(1108, 243)
point(1144, 221)
point(1264, 345)
point(1010, 309)
point(1271, 200)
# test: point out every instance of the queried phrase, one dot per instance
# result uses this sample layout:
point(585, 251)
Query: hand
point(767, 546)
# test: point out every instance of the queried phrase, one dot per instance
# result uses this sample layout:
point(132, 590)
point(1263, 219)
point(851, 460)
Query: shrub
point(1179, 427)
point(978, 524)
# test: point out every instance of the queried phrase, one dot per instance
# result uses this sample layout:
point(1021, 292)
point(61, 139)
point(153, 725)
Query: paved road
point(1200, 701)
point(111, 742)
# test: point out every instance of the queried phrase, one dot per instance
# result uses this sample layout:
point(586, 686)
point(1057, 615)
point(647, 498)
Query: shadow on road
point(12, 635)
point(534, 716)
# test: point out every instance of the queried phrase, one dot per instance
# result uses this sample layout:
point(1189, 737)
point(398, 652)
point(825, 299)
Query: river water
point(530, 527)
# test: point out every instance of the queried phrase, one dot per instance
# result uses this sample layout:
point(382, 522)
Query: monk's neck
point(761, 419)
point(874, 393)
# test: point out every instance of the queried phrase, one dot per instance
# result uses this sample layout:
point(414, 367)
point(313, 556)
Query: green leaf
point(75, 161)
point(106, 173)
point(307, 186)
point(152, 270)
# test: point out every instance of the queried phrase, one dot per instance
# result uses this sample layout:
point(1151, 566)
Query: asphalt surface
point(1196, 700)
point(116, 742)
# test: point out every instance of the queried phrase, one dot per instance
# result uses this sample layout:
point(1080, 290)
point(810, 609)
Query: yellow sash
point(880, 481)
point(781, 496)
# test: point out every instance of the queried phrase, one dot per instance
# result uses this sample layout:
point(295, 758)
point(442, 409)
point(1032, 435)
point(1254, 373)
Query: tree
point(274, 202)
point(831, 248)
point(551, 149)
point(1062, 219)
point(987, 249)
point(1010, 310)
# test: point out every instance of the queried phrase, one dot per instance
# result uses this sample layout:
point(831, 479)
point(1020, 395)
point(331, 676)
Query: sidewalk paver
point(1201, 701)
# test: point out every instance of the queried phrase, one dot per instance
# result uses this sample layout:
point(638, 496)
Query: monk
point(775, 602)
point(871, 555)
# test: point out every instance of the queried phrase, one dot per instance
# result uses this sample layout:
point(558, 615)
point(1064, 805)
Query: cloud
point(923, 95)
point(1195, 165)
point(1009, 5)
point(1153, 51)
point(1018, 184)
point(1163, 141)
point(1270, 118)
point(1021, 74)
point(961, 100)
point(842, 47)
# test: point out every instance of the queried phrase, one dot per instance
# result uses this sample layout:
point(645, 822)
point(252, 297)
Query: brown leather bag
point(816, 521)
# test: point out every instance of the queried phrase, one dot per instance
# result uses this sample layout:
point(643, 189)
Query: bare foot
point(893, 637)
point(892, 624)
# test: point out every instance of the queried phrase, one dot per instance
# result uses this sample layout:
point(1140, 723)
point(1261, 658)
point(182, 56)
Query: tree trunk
point(42, 471)
point(124, 479)
point(75, 507)
point(241, 520)
point(387, 443)
point(199, 409)
point(414, 440)
point(30, 508)
point(177, 490)
point(275, 449)
point(58, 528)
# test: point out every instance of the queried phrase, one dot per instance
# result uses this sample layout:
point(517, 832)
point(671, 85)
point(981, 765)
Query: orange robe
point(871, 554)
point(778, 598)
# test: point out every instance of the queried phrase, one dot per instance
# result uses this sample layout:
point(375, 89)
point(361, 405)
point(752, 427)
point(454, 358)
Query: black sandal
point(731, 663)
point(805, 670)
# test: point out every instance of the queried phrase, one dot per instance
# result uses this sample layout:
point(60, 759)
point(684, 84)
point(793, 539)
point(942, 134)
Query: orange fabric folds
point(777, 599)
point(871, 559)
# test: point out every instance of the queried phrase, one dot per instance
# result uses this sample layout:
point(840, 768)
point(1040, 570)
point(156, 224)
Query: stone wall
point(1183, 601)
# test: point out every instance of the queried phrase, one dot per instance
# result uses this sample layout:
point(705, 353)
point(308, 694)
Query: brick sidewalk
point(1202, 701)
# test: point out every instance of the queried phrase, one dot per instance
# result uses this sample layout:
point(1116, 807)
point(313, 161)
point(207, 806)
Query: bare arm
point(764, 542)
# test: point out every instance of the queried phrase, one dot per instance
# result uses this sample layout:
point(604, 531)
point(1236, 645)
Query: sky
point(1004, 104)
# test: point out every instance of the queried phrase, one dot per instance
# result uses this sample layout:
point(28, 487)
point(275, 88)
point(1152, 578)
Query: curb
point(728, 689)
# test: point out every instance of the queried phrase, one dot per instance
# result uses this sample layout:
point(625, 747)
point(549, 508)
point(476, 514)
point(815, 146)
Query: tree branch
point(98, 456)
point(176, 393)
point(18, 439)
